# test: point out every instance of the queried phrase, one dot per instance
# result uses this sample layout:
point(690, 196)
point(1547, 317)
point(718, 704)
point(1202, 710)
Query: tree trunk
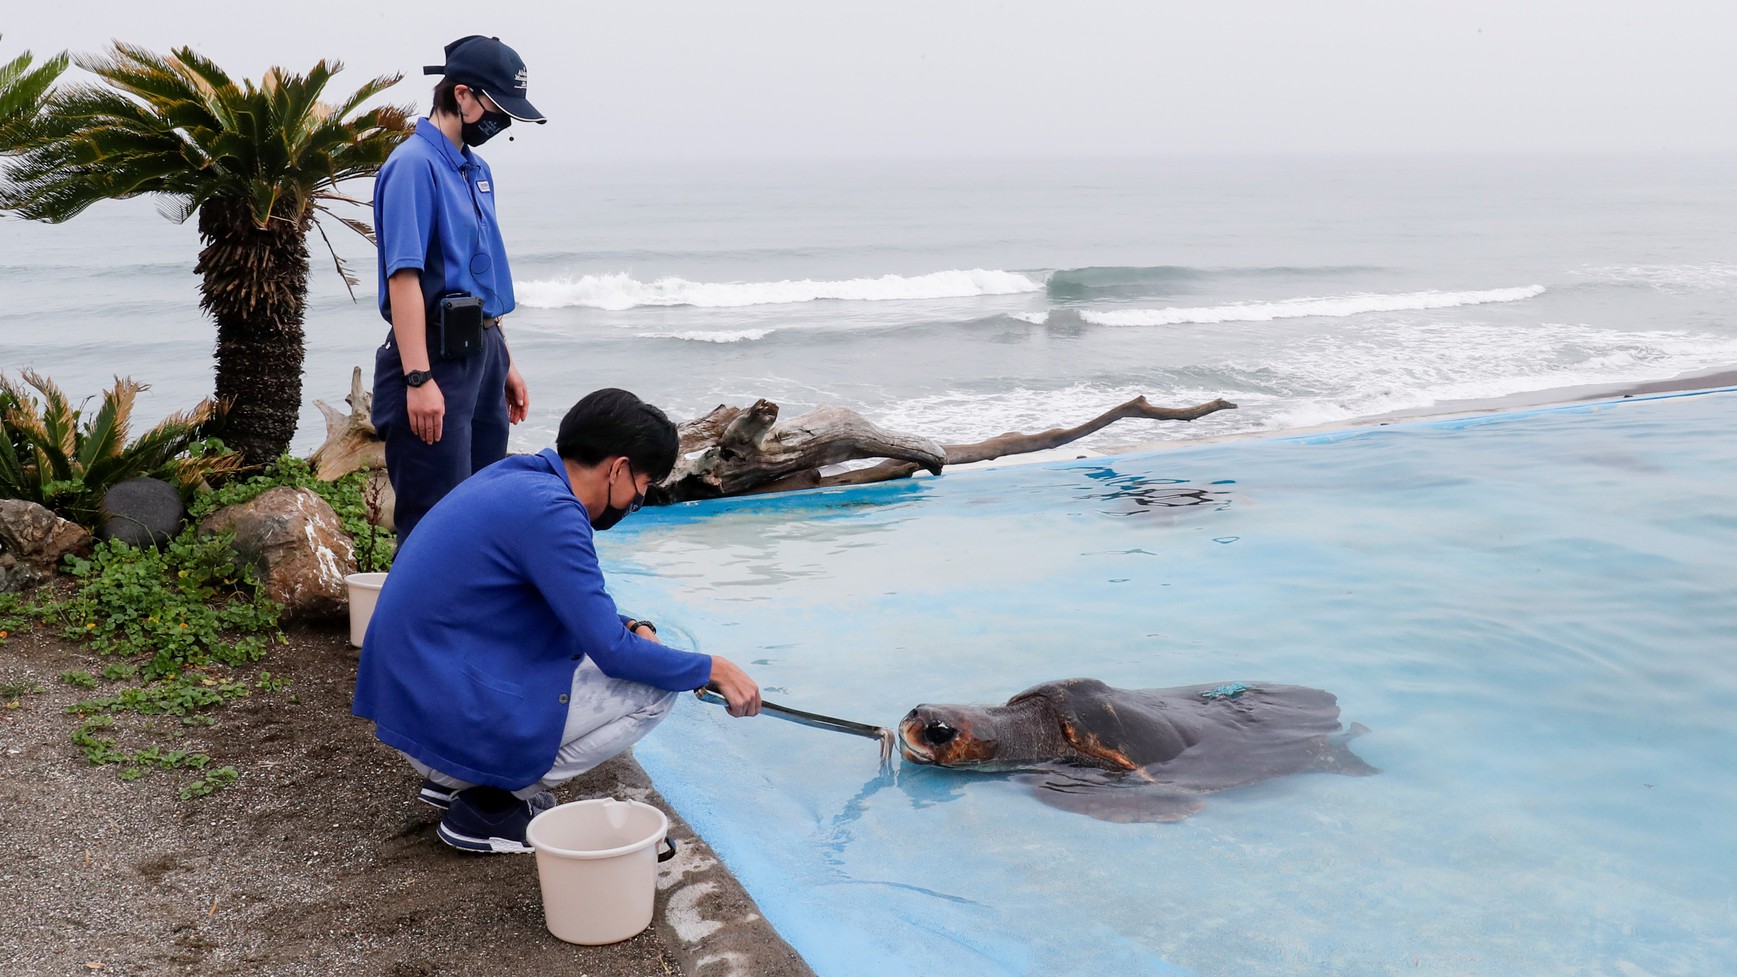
point(255, 284)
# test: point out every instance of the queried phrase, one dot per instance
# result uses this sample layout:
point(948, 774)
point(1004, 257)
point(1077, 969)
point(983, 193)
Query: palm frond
point(189, 471)
point(355, 99)
point(202, 70)
point(16, 480)
point(171, 436)
point(177, 207)
point(350, 281)
point(59, 425)
point(361, 227)
point(30, 440)
point(24, 88)
point(106, 433)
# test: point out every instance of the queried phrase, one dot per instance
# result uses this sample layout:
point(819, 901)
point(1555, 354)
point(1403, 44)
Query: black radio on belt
point(456, 328)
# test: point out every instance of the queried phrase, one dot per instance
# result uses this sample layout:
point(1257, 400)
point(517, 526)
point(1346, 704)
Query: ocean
point(962, 299)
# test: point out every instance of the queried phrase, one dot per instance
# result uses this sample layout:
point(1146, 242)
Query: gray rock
point(297, 547)
point(33, 541)
point(142, 511)
point(17, 575)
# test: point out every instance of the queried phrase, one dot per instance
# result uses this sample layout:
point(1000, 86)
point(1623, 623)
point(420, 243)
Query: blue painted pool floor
point(1532, 612)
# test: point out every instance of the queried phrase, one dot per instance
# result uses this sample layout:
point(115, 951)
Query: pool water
point(1532, 612)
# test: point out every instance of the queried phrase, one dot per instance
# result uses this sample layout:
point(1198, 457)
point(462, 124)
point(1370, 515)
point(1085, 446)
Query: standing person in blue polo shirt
point(445, 387)
point(495, 661)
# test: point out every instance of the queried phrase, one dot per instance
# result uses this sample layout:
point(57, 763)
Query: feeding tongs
point(879, 733)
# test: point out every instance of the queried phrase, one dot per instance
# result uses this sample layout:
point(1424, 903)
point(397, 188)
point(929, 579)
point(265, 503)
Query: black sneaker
point(491, 821)
point(434, 795)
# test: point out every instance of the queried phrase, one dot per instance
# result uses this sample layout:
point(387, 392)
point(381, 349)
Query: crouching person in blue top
point(495, 661)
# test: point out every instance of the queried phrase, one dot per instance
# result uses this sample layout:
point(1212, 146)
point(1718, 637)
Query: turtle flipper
point(1335, 755)
point(1109, 796)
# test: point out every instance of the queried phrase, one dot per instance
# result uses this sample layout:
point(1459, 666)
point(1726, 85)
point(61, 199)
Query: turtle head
point(948, 736)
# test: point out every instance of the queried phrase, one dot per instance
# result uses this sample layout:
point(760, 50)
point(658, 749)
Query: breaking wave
point(619, 291)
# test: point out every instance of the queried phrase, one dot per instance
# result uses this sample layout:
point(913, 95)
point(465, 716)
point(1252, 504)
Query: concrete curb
point(703, 916)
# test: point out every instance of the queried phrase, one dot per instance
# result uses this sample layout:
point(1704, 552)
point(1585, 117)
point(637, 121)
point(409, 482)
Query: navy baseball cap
point(493, 69)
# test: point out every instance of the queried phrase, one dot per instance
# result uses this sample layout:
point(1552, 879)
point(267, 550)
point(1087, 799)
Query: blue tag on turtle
point(1231, 691)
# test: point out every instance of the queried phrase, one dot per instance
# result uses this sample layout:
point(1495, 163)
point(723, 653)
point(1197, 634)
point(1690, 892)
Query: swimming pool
point(1533, 612)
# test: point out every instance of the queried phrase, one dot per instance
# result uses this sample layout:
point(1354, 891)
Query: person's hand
point(518, 395)
point(426, 406)
point(740, 690)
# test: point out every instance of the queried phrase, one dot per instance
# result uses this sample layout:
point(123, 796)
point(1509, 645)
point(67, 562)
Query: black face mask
point(486, 128)
point(610, 516)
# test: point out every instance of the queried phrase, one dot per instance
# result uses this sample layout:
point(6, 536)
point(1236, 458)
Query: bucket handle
point(664, 856)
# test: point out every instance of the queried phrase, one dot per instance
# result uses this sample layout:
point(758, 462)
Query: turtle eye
point(938, 733)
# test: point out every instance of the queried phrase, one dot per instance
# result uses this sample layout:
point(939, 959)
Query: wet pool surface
point(1533, 613)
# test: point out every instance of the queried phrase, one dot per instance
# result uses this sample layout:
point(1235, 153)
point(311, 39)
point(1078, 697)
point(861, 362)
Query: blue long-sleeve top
point(488, 610)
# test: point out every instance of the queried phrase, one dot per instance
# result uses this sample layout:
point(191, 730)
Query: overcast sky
point(816, 78)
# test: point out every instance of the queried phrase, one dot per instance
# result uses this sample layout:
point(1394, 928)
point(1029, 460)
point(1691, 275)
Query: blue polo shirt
point(489, 608)
point(434, 210)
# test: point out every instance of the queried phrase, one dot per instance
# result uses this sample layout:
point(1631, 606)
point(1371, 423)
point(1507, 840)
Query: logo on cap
point(520, 80)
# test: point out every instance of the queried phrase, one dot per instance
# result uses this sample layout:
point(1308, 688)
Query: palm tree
point(257, 163)
point(22, 91)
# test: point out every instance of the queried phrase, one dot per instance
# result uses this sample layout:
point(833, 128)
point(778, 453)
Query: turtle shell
point(1115, 728)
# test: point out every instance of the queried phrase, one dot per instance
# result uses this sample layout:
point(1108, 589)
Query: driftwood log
point(736, 451)
point(730, 467)
point(748, 450)
point(352, 444)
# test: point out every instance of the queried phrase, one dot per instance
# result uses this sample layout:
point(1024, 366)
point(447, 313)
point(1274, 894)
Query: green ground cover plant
point(14, 615)
point(174, 632)
point(177, 632)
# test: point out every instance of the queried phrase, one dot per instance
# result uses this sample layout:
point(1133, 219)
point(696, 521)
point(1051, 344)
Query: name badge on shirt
point(483, 185)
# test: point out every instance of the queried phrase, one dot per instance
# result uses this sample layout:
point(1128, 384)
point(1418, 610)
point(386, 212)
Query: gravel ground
point(317, 861)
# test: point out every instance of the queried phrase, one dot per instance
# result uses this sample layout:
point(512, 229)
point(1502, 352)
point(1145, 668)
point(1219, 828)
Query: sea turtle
point(1138, 754)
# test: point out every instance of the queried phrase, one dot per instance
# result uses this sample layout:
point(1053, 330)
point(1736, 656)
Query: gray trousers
point(604, 717)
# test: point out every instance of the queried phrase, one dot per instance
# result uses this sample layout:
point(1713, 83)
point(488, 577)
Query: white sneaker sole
point(483, 846)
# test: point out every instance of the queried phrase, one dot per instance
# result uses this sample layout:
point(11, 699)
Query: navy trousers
point(473, 433)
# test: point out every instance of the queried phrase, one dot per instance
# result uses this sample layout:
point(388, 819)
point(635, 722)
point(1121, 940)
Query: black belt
point(491, 323)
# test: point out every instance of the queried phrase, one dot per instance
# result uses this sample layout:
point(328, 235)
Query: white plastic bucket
point(597, 864)
point(364, 589)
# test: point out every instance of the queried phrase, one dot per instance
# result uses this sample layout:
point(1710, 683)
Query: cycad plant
point(60, 457)
point(257, 163)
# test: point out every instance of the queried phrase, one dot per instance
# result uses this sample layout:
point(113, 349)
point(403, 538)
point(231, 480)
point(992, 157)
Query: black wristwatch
point(636, 625)
point(416, 378)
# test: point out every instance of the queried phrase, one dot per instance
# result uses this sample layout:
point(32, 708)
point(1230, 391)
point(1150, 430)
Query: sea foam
point(711, 336)
point(1331, 307)
point(619, 291)
point(1682, 278)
